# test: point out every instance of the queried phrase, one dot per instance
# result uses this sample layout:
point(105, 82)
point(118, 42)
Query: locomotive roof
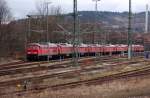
point(65, 45)
point(52, 45)
point(109, 45)
point(34, 44)
point(44, 44)
point(83, 45)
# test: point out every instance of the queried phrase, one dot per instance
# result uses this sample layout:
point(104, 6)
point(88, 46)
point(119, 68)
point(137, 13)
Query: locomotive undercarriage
point(63, 56)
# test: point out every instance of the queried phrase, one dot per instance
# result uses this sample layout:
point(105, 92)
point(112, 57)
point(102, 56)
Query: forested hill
point(115, 19)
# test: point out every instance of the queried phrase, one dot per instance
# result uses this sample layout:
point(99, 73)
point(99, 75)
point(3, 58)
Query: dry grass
point(133, 88)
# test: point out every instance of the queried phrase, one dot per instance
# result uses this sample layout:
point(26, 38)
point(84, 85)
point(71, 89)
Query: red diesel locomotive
point(38, 51)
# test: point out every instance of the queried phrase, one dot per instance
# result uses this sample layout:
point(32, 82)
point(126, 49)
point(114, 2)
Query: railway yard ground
point(95, 77)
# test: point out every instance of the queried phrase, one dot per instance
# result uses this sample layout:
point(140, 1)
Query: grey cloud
point(22, 7)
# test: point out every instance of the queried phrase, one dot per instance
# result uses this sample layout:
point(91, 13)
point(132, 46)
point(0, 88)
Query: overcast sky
point(20, 8)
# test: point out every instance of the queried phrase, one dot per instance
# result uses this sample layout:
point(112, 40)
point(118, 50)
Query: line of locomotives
point(43, 51)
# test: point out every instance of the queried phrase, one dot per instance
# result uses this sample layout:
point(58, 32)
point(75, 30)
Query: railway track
point(24, 64)
point(63, 72)
point(22, 68)
point(56, 74)
point(39, 66)
point(120, 75)
point(18, 64)
point(95, 81)
point(11, 63)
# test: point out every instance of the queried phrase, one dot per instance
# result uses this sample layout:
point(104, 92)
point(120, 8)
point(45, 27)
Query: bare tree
point(54, 16)
point(41, 9)
point(4, 27)
point(4, 12)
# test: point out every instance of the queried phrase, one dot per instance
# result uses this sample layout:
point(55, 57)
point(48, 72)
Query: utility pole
point(146, 19)
point(96, 10)
point(29, 28)
point(146, 42)
point(47, 20)
point(79, 29)
point(129, 32)
point(47, 25)
point(28, 33)
point(75, 43)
